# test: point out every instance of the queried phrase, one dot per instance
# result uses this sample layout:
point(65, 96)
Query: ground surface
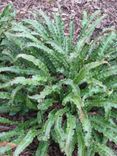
point(70, 8)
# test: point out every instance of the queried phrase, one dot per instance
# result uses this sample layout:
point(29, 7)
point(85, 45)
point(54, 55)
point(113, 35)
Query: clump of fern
point(72, 86)
point(6, 19)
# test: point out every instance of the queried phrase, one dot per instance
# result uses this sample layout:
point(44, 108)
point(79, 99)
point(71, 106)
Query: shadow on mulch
point(54, 150)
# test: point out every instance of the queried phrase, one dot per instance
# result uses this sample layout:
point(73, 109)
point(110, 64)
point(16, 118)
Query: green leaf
point(46, 130)
point(4, 95)
point(103, 150)
point(7, 135)
point(81, 142)
point(47, 22)
point(45, 104)
point(35, 80)
point(30, 104)
point(35, 61)
point(70, 130)
point(42, 149)
point(7, 121)
point(105, 127)
point(39, 28)
point(76, 99)
point(59, 131)
point(4, 150)
point(106, 43)
point(18, 70)
point(25, 142)
point(83, 74)
point(6, 108)
point(45, 92)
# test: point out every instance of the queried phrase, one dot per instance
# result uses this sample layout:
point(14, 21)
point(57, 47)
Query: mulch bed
point(70, 8)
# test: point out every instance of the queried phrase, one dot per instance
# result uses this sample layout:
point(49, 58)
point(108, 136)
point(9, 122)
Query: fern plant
point(71, 86)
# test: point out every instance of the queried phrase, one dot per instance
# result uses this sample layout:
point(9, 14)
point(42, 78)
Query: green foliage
point(71, 86)
point(25, 142)
point(5, 19)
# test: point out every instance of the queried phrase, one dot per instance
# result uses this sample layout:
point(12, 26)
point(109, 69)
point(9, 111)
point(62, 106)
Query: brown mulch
point(70, 8)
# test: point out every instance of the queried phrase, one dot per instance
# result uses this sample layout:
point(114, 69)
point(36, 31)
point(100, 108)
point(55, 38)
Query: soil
point(70, 8)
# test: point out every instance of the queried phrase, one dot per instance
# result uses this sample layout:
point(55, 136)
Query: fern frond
point(18, 70)
point(81, 142)
point(46, 91)
point(70, 130)
point(35, 61)
point(59, 24)
point(5, 136)
point(83, 73)
point(35, 80)
point(105, 45)
point(42, 149)
point(47, 126)
point(25, 142)
point(38, 27)
point(4, 95)
point(49, 24)
point(7, 121)
point(103, 150)
point(106, 128)
point(4, 150)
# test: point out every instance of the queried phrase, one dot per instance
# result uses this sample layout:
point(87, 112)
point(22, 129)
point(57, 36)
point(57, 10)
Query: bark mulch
point(69, 8)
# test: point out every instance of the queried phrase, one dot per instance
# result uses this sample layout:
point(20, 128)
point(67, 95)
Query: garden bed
point(70, 9)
